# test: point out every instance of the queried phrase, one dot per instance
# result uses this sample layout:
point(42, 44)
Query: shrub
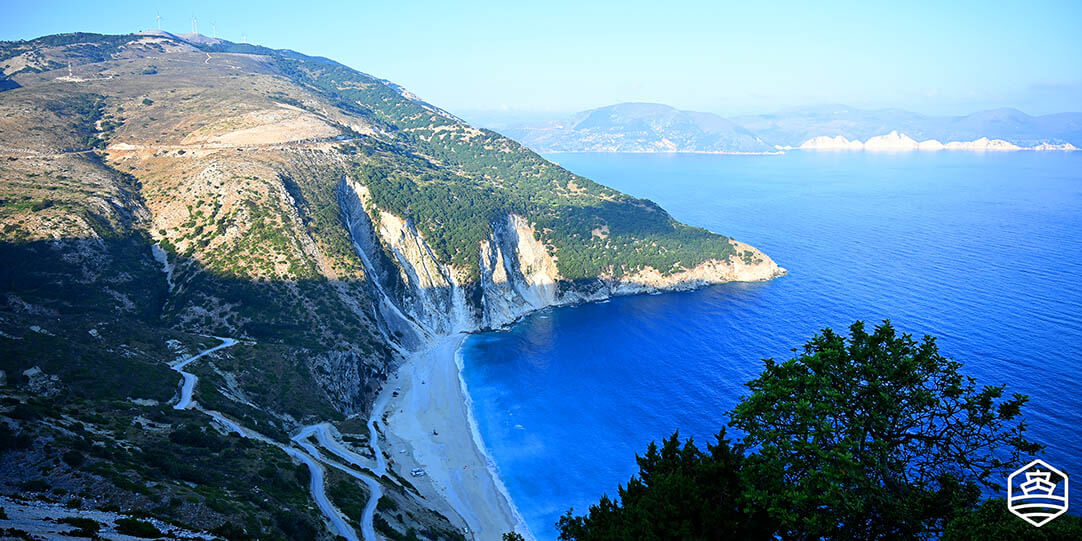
point(137, 528)
point(34, 485)
point(86, 527)
point(74, 458)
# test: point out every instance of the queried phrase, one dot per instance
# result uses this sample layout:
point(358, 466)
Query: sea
point(981, 250)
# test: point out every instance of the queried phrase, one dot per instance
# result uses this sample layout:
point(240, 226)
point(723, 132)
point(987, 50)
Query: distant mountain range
point(639, 127)
point(651, 127)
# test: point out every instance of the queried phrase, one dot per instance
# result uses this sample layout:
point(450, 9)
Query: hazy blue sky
point(729, 58)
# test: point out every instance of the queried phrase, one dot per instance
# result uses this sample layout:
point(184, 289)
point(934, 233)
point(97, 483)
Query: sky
point(537, 59)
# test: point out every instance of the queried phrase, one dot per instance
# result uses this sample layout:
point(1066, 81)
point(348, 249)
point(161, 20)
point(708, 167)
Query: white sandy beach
point(432, 399)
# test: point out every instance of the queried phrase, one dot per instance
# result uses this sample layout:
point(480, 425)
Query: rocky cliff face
point(419, 297)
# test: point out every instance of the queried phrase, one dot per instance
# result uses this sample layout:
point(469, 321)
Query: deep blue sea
point(983, 251)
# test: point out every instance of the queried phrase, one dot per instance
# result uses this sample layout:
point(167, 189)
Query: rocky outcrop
point(897, 142)
point(750, 265)
point(39, 383)
point(824, 142)
point(518, 274)
point(348, 381)
point(418, 297)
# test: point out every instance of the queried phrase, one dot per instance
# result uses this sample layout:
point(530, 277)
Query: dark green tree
point(875, 436)
point(679, 493)
point(992, 520)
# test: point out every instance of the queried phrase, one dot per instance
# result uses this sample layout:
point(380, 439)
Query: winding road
point(375, 490)
point(310, 456)
point(190, 379)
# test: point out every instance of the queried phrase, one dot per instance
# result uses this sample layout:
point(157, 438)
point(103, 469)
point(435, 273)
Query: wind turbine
point(213, 30)
point(195, 25)
point(159, 19)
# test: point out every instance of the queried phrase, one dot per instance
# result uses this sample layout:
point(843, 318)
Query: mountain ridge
point(789, 128)
point(640, 127)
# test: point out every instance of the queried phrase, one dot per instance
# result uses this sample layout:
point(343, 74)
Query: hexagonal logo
point(1037, 493)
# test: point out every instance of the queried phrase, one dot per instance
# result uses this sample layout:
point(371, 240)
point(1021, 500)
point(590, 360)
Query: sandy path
point(432, 399)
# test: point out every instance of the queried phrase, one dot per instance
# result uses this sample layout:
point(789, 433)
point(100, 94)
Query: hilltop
point(161, 189)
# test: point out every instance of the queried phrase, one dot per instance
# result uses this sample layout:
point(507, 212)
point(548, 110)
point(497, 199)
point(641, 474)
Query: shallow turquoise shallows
point(982, 250)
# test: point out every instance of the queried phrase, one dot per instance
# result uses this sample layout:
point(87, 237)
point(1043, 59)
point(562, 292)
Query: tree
point(992, 520)
point(679, 493)
point(875, 436)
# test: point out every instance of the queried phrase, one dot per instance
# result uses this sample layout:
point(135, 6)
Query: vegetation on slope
point(454, 180)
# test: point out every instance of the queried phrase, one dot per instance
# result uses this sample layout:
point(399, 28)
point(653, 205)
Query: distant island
point(652, 127)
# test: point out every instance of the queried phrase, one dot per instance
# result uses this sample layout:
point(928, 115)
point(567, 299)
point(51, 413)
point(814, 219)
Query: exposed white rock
point(420, 297)
point(983, 144)
point(40, 383)
point(896, 141)
point(891, 142)
point(1052, 146)
point(758, 268)
point(824, 142)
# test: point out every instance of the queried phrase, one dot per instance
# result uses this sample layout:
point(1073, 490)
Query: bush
point(992, 520)
point(74, 458)
point(195, 436)
point(232, 532)
point(11, 440)
point(137, 528)
point(387, 505)
point(34, 485)
point(295, 525)
point(24, 412)
point(85, 527)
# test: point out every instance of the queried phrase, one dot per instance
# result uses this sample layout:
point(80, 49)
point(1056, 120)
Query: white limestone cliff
point(831, 143)
point(891, 142)
point(418, 297)
point(983, 144)
point(896, 141)
point(1052, 146)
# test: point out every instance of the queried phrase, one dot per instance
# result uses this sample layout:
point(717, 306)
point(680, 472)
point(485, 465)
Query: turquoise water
point(981, 250)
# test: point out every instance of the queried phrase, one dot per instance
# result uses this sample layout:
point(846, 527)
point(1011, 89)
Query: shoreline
point(430, 425)
point(479, 444)
point(777, 152)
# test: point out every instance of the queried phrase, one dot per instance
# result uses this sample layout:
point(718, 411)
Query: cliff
point(420, 297)
point(900, 142)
